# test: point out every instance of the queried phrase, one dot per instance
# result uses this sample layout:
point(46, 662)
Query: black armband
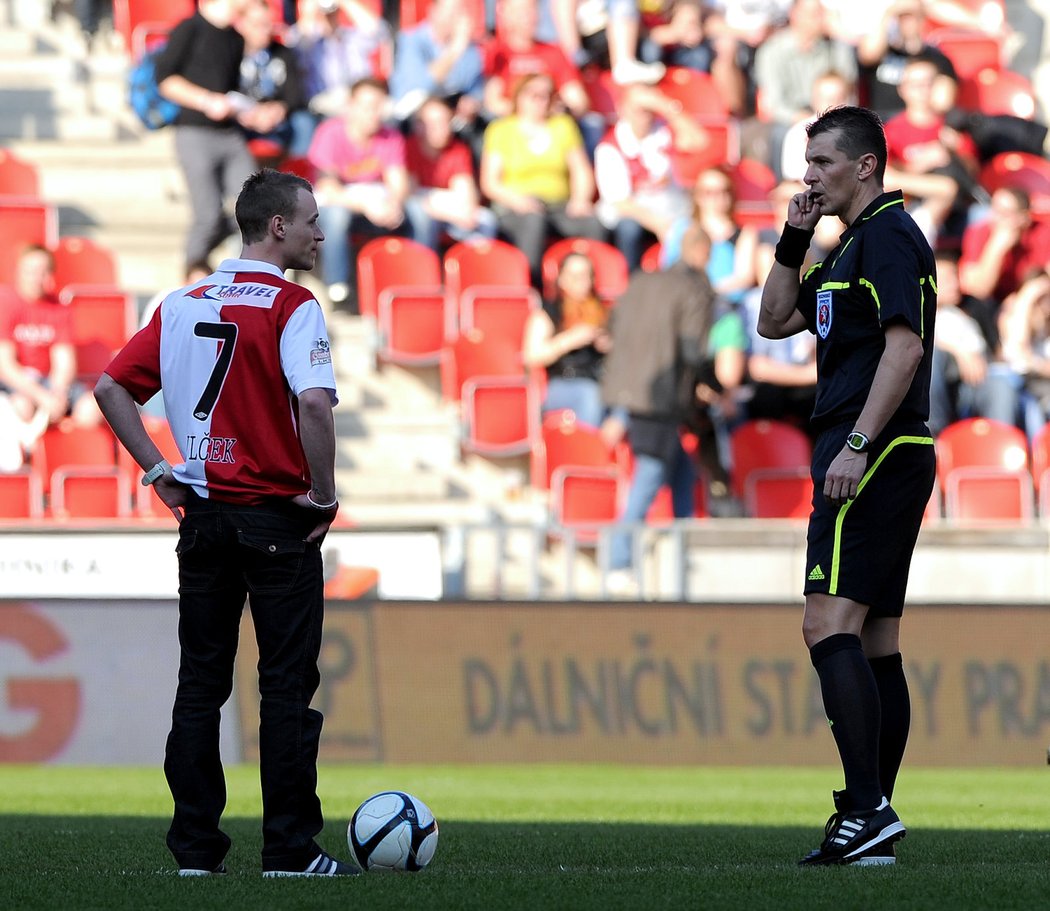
point(793, 245)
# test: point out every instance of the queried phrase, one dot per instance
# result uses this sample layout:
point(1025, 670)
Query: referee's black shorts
point(862, 550)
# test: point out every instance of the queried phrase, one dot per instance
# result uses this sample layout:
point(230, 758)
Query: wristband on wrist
point(155, 473)
point(317, 505)
point(793, 245)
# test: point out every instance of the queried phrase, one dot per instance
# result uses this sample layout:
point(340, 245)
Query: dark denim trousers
point(229, 553)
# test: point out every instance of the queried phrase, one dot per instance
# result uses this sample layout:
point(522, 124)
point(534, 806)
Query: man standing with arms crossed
point(244, 363)
point(871, 303)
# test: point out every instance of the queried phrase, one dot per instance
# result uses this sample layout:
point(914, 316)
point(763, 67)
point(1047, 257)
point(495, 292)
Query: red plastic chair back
point(21, 495)
point(989, 495)
point(386, 262)
point(131, 18)
point(499, 416)
point(87, 492)
point(998, 92)
point(498, 312)
point(18, 177)
point(763, 444)
point(778, 493)
point(1020, 169)
point(24, 222)
point(696, 91)
point(980, 443)
point(81, 261)
point(490, 262)
point(471, 355)
point(969, 51)
point(414, 323)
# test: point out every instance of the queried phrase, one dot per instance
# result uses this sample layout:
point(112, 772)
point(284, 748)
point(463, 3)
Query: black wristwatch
point(857, 441)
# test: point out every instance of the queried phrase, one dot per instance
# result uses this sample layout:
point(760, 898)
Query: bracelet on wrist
point(793, 246)
point(317, 505)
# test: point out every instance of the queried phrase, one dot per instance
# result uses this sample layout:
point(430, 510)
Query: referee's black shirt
point(881, 272)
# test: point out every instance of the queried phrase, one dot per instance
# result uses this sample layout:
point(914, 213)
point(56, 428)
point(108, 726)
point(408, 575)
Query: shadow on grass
point(82, 862)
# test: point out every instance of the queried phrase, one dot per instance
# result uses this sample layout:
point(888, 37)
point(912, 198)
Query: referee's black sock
point(896, 717)
point(851, 702)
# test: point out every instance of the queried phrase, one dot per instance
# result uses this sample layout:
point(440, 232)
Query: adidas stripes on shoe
point(864, 838)
point(322, 865)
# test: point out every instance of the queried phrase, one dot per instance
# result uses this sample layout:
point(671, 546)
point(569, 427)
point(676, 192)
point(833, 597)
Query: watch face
point(857, 442)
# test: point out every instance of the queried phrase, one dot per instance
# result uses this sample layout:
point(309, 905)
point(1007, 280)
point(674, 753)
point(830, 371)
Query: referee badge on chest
point(823, 313)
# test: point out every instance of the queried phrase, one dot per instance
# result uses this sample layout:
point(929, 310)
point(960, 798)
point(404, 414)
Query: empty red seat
point(778, 493)
point(764, 444)
point(18, 177)
point(473, 354)
point(499, 416)
point(394, 262)
point(989, 495)
point(81, 261)
point(24, 222)
point(21, 495)
point(90, 492)
point(414, 323)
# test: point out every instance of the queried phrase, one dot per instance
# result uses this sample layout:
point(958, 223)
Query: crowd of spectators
point(548, 119)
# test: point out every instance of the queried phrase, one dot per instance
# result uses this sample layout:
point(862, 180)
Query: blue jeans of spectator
point(650, 474)
point(428, 231)
point(582, 394)
point(337, 255)
point(632, 240)
point(227, 553)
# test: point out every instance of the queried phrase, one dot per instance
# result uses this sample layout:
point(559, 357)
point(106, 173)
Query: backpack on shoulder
point(153, 109)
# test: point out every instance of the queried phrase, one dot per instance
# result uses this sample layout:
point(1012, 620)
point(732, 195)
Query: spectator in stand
point(535, 171)
point(659, 328)
point(361, 184)
point(638, 199)
point(444, 196)
point(1000, 251)
point(782, 373)
point(731, 263)
point(968, 380)
point(200, 70)
point(933, 164)
point(333, 56)
point(608, 33)
point(515, 53)
point(690, 36)
point(1025, 330)
point(569, 339)
point(883, 52)
point(38, 362)
point(439, 57)
point(270, 77)
point(829, 91)
point(789, 62)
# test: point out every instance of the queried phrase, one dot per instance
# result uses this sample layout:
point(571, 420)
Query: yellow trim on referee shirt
point(836, 549)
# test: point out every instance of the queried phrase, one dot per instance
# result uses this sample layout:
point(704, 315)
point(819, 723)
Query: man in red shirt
point(245, 366)
point(932, 164)
point(1002, 251)
point(444, 194)
point(514, 52)
point(38, 363)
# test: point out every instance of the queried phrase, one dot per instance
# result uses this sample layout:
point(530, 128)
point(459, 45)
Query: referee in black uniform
point(872, 304)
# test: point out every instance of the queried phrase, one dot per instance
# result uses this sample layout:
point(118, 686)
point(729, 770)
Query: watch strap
point(155, 473)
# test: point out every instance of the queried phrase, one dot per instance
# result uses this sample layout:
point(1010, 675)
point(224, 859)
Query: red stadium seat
point(651, 258)
point(133, 19)
point(103, 320)
point(147, 503)
point(564, 441)
point(90, 492)
point(386, 262)
point(490, 262)
point(298, 165)
point(997, 92)
point(610, 267)
point(753, 181)
point(471, 355)
point(1041, 461)
point(989, 495)
point(721, 149)
point(21, 495)
point(764, 444)
point(18, 177)
point(67, 446)
point(414, 323)
point(24, 222)
point(990, 13)
point(778, 493)
point(499, 415)
point(969, 51)
point(81, 261)
point(498, 312)
point(980, 443)
point(583, 498)
point(696, 91)
point(1020, 169)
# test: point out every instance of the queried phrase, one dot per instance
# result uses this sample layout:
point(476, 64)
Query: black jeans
point(228, 553)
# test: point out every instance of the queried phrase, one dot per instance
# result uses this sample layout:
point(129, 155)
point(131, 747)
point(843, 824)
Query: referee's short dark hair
point(265, 194)
point(860, 132)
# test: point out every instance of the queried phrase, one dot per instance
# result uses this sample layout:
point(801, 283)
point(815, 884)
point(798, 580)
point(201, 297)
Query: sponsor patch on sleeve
point(321, 353)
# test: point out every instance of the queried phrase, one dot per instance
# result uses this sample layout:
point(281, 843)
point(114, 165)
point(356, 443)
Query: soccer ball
point(393, 831)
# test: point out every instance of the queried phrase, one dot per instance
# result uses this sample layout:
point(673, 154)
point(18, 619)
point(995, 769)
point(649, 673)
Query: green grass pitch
point(542, 837)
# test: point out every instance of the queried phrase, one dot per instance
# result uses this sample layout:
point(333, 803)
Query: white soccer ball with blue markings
point(393, 831)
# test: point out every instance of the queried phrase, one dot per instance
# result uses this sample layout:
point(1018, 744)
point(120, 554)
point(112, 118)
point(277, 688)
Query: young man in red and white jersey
point(243, 360)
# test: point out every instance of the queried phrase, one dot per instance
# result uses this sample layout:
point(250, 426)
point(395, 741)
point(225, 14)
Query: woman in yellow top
point(535, 172)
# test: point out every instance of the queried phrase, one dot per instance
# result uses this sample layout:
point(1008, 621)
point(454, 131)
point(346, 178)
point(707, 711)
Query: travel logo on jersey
point(248, 293)
point(824, 313)
point(321, 353)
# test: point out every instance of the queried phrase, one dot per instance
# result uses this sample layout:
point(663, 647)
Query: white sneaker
point(629, 72)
